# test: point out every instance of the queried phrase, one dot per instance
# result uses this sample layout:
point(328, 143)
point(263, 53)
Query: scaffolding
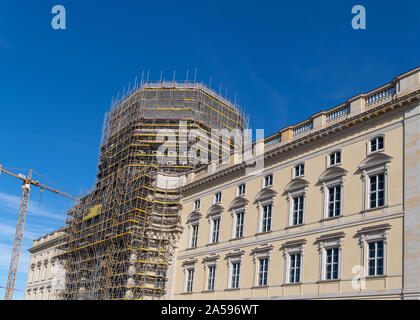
point(121, 236)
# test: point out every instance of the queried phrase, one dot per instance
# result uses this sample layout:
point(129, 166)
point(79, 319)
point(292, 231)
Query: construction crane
point(26, 188)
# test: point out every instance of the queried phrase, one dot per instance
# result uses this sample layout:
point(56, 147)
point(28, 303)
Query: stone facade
point(45, 274)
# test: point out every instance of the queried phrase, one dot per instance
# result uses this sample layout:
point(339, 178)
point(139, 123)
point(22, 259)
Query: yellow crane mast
point(26, 189)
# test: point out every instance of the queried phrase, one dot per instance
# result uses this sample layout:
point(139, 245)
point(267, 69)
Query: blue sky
point(284, 61)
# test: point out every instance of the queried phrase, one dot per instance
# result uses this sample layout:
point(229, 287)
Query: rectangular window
point(194, 235)
point(215, 230)
point(212, 276)
point(197, 205)
point(268, 180)
point(331, 263)
point(377, 144)
point(218, 197)
point(263, 272)
point(334, 201)
point(160, 280)
point(335, 158)
point(377, 190)
point(298, 210)
point(236, 269)
point(241, 190)
point(239, 225)
point(190, 280)
point(266, 218)
point(294, 268)
point(299, 170)
point(376, 258)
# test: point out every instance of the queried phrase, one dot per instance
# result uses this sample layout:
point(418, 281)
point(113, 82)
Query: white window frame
point(290, 198)
point(325, 186)
point(231, 260)
point(381, 234)
point(369, 144)
point(366, 174)
point(217, 197)
point(264, 204)
point(235, 214)
point(268, 184)
point(238, 190)
point(376, 191)
point(329, 158)
point(330, 243)
point(193, 236)
point(212, 224)
point(197, 205)
point(209, 262)
point(288, 251)
point(213, 278)
point(258, 254)
point(187, 269)
point(299, 165)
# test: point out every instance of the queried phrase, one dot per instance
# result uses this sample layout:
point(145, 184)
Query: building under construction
point(121, 236)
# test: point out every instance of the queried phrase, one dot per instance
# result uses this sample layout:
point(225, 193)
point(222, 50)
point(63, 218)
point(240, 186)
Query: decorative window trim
point(261, 253)
point(195, 207)
point(330, 241)
point(368, 144)
point(328, 159)
point(188, 265)
point(290, 200)
point(234, 213)
point(294, 176)
point(264, 198)
point(263, 185)
point(211, 220)
point(209, 261)
point(325, 186)
point(190, 232)
point(215, 197)
point(366, 174)
point(373, 234)
point(292, 247)
point(231, 258)
point(238, 194)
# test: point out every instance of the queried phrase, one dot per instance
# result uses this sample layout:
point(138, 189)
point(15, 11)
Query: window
point(335, 158)
point(236, 269)
point(377, 190)
point(298, 203)
point(218, 197)
point(212, 276)
point(294, 268)
point(194, 236)
point(263, 272)
point(239, 224)
point(377, 144)
point(334, 201)
point(215, 230)
point(268, 180)
point(197, 204)
point(160, 280)
point(190, 280)
point(376, 258)
point(266, 218)
point(44, 275)
point(299, 170)
point(331, 263)
point(241, 189)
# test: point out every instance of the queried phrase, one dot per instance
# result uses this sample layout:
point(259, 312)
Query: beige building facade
point(45, 274)
point(334, 212)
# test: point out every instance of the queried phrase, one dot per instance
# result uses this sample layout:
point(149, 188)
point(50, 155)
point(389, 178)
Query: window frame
point(329, 158)
point(270, 180)
point(301, 192)
point(197, 207)
point(238, 190)
point(300, 169)
point(376, 139)
point(217, 197)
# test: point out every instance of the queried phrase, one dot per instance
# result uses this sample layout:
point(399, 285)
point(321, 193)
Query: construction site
point(120, 237)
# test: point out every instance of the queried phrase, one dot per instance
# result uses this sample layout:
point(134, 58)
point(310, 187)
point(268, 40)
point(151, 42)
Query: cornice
point(320, 133)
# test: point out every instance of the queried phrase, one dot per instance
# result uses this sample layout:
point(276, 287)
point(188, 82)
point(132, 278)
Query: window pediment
point(296, 184)
point(332, 173)
point(238, 202)
point(194, 216)
point(265, 194)
point(214, 209)
point(374, 159)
